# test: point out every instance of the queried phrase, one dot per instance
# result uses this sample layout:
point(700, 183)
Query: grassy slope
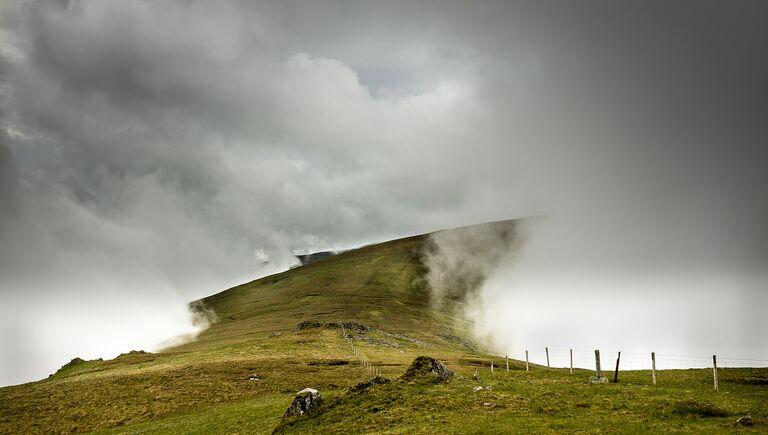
point(204, 386)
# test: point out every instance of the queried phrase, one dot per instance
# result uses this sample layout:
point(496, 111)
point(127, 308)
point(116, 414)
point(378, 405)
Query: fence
point(585, 359)
point(634, 361)
point(362, 359)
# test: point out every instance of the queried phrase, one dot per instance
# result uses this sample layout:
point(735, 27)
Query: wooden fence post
point(491, 366)
point(598, 372)
point(571, 352)
point(526, 360)
point(546, 349)
point(616, 373)
point(714, 370)
point(653, 367)
point(506, 358)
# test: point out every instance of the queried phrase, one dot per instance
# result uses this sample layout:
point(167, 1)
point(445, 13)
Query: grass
point(242, 372)
point(545, 401)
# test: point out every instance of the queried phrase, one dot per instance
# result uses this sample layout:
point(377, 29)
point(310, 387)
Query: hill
point(335, 323)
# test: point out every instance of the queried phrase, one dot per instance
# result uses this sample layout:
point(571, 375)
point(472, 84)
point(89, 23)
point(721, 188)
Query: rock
point(489, 388)
point(428, 369)
point(305, 402)
point(476, 377)
point(596, 380)
point(488, 403)
point(307, 324)
point(478, 388)
point(744, 421)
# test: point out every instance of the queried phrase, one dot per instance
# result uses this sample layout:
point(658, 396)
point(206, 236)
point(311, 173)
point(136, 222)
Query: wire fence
point(585, 359)
point(360, 356)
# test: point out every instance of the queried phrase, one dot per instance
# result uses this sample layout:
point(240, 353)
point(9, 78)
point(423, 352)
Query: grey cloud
point(159, 148)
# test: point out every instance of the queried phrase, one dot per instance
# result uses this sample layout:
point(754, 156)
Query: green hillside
point(333, 324)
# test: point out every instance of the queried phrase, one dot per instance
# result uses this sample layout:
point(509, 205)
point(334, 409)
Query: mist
point(152, 153)
point(558, 291)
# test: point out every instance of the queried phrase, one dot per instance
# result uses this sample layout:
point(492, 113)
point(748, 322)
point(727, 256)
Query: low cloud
point(458, 261)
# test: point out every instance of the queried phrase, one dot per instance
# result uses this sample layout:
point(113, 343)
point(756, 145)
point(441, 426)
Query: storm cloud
point(155, 152)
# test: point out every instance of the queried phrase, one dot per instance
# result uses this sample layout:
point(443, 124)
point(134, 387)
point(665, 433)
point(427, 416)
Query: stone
point(596, 380)
point(744, 421)
point(427, 369)
point(305, 402)
point(307, 324)
point(478, 388)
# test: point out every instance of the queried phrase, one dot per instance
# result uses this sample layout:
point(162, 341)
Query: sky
point(152, 153)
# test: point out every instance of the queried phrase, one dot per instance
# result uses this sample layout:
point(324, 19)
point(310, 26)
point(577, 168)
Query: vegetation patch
point(76, 361)
point(701, 409)
point(751, 380)
point(364, 386)
point(135, 357)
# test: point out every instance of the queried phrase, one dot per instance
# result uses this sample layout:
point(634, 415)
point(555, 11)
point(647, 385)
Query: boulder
point(596, 380)
point(478, 388)
point(744, 421)
point(305, 402)
point(425, 368)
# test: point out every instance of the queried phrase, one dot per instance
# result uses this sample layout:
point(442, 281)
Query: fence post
point(616, 373)
point(571, 352)
point(546, 349)
point(598, 372)
point(491, 366)
point(506, 358)
point(653, 367)
point(526, 360)
point(714, 370)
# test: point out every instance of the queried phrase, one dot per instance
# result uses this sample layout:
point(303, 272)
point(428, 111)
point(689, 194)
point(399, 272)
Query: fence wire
point(585, 359)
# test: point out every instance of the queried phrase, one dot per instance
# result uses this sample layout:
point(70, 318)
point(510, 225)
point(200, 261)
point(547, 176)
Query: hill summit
point(381, 286)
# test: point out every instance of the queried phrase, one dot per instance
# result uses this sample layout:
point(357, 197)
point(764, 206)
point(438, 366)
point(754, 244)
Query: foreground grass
point(212, 392)
point(549, 401)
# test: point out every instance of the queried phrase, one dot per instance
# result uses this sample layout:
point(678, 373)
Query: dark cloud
point(156, 151)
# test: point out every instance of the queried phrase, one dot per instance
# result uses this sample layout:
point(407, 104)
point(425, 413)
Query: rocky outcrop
point(305, 402)
point(305, 259)
point(307, 324)
point(425, 368)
